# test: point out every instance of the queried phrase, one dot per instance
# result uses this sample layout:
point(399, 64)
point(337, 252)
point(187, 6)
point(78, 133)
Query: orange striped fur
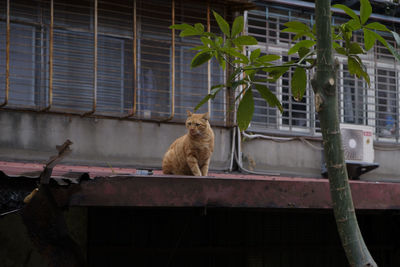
point(190, 154)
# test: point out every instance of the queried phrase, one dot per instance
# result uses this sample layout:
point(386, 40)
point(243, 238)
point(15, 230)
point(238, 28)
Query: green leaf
point(393, 51)
point(255, 54)
point(189, 32)
point(276, 73)
point(206, 41)
point(369, 39)
point(341, 50)
point(245, 110)
point(202, 102)
point(303, 43)
point(199, 27)
point(387, 45)
point(215, 89)
point(268, 58)
point(365, 10)
point(221, 60)
point(346, 9)
point(235, 84)
point(355, 48)
point(237, 26)
point(377, 26)
point(198, 48)
point(301, 34)
point(200, 58)
point(354, 66)
point(299, 83)
point(366, 77)
point(245, 40)
point(232, 52)
point(335, 45)
point(396, 36)
point(271, 98)
point(182, 26)
point(353, 25)
point(303, 51)
point(223, 25)
point(297, 25)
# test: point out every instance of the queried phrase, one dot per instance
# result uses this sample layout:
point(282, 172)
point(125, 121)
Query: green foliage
point(365, 11)
point(223, 25)
point(237, 26)
point(299, 83)
point(268, 96)
point(229, 52)
point(201, 58)
point(245, 110)
point(302, 44)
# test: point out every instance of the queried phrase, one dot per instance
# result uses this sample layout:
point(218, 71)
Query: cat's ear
point(206, 116)
point(189, 113)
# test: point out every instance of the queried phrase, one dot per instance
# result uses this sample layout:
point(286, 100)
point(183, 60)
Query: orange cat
point(190, 154)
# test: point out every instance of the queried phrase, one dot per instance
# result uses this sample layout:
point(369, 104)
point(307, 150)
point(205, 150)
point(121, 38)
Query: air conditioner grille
point(353, 144)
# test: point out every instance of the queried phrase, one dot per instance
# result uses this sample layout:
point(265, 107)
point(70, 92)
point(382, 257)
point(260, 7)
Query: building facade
point(112, 77)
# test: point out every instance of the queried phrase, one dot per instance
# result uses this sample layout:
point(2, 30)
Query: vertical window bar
point(51, 42)
point(172, 64)
point(134, 43)
point(7, 56)
point(209, 62)
point(95, 34)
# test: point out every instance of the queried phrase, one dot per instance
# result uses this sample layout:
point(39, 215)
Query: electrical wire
point(239, 160)
point(282, 139)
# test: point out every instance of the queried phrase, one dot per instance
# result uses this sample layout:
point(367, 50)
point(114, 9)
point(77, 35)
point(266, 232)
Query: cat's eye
point(197, 124)
point(189, 123)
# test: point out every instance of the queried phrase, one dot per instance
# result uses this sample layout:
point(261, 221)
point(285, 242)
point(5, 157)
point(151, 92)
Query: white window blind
point(114, 58)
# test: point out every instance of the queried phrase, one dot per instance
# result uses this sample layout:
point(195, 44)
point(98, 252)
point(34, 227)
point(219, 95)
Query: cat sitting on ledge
point(190, 154)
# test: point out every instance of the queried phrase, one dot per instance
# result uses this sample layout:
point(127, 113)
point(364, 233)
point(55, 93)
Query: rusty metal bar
point(232, 191)
point(209, 62)
point(7, 56)
point(134, 108)
point(172, 64)
point(94, 61)
point(51, 44)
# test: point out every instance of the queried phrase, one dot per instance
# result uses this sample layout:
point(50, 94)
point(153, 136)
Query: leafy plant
point(243, 78)
point(244, 68)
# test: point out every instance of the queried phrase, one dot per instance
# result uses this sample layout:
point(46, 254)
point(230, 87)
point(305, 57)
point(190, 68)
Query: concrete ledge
point(235, 192)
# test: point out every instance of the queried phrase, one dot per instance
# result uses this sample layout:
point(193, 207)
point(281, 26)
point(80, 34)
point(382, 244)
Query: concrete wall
point(292, 158)
point(34, 136)
point(295, 158)
point(28, 136)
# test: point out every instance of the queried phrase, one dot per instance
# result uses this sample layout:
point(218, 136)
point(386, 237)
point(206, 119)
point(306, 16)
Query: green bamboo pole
point(324, 86)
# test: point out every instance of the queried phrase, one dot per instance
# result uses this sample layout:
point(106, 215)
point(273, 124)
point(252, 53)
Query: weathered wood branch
point(45, 220)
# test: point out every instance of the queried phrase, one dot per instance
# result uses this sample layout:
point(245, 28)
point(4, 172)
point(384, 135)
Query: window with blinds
point(265, 25)
point(387, 105)
point(375, 105)
point(353, 98)
point(114, 58)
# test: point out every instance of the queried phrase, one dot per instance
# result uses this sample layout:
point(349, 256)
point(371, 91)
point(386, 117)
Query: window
point(387, 106)
point(94, 65)
point(376, 105)
point(352, 95)
point(298, 116)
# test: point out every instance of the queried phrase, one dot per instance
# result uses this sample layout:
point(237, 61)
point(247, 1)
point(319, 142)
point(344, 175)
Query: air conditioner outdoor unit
point(358, 146)
point(357, 143)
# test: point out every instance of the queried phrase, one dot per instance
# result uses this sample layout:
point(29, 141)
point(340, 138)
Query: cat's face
point(197, 124)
